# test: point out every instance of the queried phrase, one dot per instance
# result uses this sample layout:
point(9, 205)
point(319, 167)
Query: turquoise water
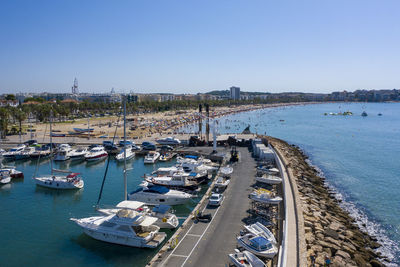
point(34, 222)
point(358, 155)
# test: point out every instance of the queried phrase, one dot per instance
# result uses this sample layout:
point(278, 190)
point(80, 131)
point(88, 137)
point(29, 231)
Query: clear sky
point(197, 46)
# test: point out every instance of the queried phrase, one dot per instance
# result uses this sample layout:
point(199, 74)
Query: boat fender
point(164, 219)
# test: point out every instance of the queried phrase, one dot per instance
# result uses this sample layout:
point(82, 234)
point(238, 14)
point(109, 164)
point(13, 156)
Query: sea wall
point(330, 232)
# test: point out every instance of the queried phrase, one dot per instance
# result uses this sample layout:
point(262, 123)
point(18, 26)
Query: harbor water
point(34, 222)
point(358, 155)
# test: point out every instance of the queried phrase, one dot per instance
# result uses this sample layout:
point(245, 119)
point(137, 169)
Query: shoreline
point(330, 231)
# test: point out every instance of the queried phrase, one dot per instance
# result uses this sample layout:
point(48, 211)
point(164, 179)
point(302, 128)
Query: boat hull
point(59, 184)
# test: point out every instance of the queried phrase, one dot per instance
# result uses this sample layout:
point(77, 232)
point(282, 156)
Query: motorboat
point(126, 227)
point(5, 178)
point(258, 245)
point(63, 152)
point(177, 180)
point(226, 171)
point(41, 152)
point(78, 154)
point(96, 153)
point(2, 151)
point(364, 114)
point(70, 181)
point(245, 259)
point(167, 156)
point(260, 230)
point(222, 182)
point(151, 157)
point(265, 196)
point(271, 171)
point(163, 171)
point(10, 155)
point(129, 154)
point(166, 219)
point(269, 179)
point(156, 194)
point(25, 153)
point(11, 171)
point(168, 141)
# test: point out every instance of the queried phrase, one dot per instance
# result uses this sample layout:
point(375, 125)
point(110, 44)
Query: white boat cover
point(130, 204)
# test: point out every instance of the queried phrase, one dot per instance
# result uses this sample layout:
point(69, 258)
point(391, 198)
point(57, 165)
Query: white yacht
point(168, 141)
point(63, 153)
point(166, 219)
point(155, 194)
point(41, 152)
point(257, 245)
point(265, 196)
point(126, 227)
point(269, 179)
point(178, 180)
point(271, 171)
point(2, 151)
point(26, 153)
point(163, 171)
point(129, 154)
point(70, 181)
point(78, 154)
point(245, 259)
point(11, 171)
point(96, 154)
point(151, 157)
point(10, 155)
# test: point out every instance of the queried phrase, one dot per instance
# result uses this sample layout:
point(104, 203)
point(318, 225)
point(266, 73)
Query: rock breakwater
point(331, 234)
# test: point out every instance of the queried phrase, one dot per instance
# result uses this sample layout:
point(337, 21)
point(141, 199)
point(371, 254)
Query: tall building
point(235, 93)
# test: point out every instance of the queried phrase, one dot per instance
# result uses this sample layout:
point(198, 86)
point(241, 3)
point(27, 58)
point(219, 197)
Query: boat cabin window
point(124, 228)
point(162, 200)
point(107, 224)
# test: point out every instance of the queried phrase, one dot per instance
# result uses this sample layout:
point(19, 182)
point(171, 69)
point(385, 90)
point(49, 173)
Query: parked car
point(167, 148)
point(126, 143)
point(30, 142)
point(136, 148)
point(148, 146)
point(215, 199)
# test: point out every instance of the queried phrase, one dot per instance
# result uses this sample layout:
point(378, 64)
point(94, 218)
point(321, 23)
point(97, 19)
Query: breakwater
point(331, 234)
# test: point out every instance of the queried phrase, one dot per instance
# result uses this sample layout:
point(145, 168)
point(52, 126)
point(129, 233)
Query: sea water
point(358, 155)
point(34, 222)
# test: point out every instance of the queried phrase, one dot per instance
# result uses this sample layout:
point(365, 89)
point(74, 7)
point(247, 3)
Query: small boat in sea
point(379, 114)
point(155, 195)
point(265, 196)
point(151, 157)
point(126, 227)
point(245, 259)
point(96, 153)
point(11, 171)
point(257, 245)
point(166, 156)
point(10, 155)
point(78, 154)
point(129, 154)
point(4, 178)
point(364, 114)
point(70, 181)
point(269, 179)
point(25, 153)
point(63, 152)
point(166, 219)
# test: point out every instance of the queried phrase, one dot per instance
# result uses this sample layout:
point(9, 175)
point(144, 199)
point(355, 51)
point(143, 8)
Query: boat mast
point(125, 179)
point(51, 142)
point(88, 129)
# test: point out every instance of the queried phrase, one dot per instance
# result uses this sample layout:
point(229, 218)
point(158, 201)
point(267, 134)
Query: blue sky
point(198, 46)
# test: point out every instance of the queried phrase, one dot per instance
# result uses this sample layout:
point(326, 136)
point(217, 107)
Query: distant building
point(11, 103)
point(235, 93)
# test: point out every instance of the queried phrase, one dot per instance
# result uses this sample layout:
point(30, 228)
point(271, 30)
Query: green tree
point(4, 114)
point(10, 97)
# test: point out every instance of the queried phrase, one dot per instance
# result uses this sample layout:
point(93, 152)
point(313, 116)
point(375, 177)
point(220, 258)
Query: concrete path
point(209, 244)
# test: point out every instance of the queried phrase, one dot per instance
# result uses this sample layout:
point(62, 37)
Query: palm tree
point(4, 114)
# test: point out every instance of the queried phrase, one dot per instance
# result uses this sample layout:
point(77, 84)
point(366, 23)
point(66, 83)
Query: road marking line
point(194, 235)
point(215, 214)
point(182, 256)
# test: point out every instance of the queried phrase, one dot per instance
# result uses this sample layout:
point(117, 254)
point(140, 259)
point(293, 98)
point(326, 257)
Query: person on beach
point(312, 257)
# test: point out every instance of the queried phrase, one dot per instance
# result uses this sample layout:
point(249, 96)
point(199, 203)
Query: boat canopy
point(193, 174)
point(130, 204)
point(148, 221)
point(73, 175)
point(161, 209)
point(260, 243)
point(158, 189)
point(191, 157)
